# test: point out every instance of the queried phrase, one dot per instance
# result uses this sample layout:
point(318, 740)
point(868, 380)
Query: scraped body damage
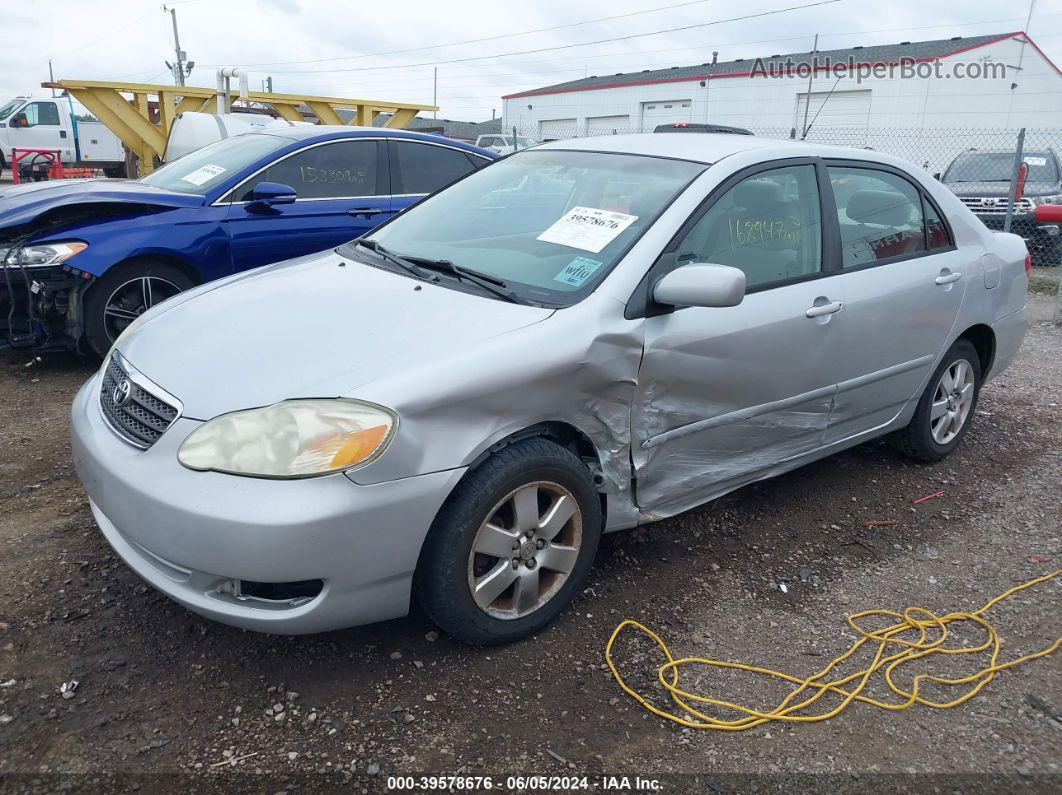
point(726, 393)
point(490, 392)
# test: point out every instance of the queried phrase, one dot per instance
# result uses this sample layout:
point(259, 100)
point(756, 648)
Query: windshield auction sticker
point(576, 272)
point(587, 228)
point(203, 174)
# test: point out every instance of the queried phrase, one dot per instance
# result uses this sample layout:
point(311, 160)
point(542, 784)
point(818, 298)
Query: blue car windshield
point(549, 223)
point(204, 169)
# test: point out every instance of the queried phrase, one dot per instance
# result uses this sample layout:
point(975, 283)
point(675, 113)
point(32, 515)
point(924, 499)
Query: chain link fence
point(978, 165)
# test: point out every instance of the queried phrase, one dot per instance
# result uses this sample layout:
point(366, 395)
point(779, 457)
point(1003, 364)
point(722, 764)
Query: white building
point(1002, 82)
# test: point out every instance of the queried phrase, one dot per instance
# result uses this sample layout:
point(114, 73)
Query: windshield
point(203, 169)
point(999, 167)
point(549, 223)
point(9, 108)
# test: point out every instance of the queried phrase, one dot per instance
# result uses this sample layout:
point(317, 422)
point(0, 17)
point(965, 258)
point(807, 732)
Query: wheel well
point(984, 340)
point(169, 259)
point(563, 434)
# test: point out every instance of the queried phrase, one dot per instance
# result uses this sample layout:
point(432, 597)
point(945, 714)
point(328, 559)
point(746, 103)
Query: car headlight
point(291, 439)
point(41, 255)
point(1056, 199)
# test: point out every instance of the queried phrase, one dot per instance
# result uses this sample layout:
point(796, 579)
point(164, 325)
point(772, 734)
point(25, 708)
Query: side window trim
point(641, 304)
point(229, 196)
point(923, 200)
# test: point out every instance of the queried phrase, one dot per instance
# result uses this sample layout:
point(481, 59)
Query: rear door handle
point(948, 278)
point(824, 309)
point(366, 211)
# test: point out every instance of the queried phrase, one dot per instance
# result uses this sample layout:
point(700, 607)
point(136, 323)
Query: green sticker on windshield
point(577, 271)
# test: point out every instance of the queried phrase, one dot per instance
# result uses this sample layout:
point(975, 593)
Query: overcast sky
point(307, 44)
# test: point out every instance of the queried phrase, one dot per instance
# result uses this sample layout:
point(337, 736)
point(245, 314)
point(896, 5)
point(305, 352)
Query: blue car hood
point(20, 204)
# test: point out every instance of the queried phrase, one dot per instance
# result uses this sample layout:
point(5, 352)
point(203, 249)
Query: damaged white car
point(578, 339)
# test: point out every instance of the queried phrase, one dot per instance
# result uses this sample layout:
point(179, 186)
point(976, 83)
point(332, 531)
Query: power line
point(641, 66)
point(562, 46)
point(486, 38)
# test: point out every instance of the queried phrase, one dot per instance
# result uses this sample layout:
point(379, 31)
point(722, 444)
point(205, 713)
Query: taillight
point(1028, 264)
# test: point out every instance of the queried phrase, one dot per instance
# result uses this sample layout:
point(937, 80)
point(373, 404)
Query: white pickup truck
point(503, 143)
point(27, 123)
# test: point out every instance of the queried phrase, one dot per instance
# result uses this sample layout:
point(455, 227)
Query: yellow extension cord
point(912, 620)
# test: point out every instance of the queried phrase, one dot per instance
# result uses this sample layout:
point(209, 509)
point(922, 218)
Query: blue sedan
point(80, 259)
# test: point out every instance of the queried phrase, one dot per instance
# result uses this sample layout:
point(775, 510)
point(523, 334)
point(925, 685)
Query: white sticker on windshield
point(587, 228)
point(203, 174)
point(1035, 161)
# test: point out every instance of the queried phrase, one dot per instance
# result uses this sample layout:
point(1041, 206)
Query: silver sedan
point(578, 339)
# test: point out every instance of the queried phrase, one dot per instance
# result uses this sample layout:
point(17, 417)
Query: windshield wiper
point(492, 284)
point(389, 256)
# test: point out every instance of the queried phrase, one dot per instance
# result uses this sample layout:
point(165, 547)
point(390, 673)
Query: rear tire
point(946, 408)
point(504, 557)
point(123, 293)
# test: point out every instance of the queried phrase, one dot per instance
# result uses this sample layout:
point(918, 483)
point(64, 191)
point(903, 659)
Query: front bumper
point(189, 533)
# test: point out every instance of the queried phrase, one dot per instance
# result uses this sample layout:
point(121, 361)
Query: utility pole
point(435, 92)
point(178, 67)
point(269, 85)
point(51, 75)
point(811, 76)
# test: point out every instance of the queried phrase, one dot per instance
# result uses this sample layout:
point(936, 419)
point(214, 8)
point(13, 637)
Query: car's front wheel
point(945, 409)
point(124, 293)
point(512, 545)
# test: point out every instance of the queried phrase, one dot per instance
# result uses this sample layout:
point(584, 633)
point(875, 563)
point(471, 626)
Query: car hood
point(1000, 189)
point(318, 326)
point(20, 204)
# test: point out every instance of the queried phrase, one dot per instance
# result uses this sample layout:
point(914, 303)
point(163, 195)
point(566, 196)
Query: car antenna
point(823, 105)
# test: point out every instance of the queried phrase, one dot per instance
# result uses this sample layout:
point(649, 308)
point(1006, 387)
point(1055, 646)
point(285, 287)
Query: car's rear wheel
point(512, 545)
point(945, 409)
point(124, 293)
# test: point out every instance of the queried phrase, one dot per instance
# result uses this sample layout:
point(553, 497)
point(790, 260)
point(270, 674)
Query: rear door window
point(879, 214)
point(425, 168)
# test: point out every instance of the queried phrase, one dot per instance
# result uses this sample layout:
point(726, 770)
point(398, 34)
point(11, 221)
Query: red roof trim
point(695, 78)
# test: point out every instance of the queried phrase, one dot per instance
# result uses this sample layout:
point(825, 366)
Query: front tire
point(124, 293)
point(512, 545)
point(945, 409)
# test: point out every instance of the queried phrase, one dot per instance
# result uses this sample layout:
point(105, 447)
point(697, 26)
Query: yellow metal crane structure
point(141, 114)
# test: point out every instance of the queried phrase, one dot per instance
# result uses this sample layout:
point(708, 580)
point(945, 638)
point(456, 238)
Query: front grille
point(996, 206)
point(141, 418)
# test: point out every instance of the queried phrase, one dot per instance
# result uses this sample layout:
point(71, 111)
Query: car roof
point(301, 132)
point(710, 148)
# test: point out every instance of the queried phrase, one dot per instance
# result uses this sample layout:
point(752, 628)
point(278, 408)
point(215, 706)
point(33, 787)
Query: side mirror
point(701, 284)
point(270, 194)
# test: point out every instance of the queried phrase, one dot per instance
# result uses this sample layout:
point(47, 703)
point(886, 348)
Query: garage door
point(607, 125)
point(665, 112)
point(552, 129)
point(836, 109)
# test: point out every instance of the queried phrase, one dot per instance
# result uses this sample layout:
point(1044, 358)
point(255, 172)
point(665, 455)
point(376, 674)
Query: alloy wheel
point(525, 550)
point(131, 299)
point(952, 401)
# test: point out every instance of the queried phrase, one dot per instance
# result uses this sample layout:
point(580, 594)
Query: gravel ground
point(165, 696)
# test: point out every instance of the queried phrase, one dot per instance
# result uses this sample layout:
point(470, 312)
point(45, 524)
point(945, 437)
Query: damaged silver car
point(581, 338)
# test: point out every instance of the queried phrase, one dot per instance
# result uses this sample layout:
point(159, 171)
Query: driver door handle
point(948, 278)
point(824, 309)
point(366, 211)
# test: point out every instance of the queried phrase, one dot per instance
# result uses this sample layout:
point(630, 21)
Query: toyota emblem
point(122, 392)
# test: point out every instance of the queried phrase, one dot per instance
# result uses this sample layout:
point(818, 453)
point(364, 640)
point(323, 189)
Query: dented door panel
point(726, 392)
